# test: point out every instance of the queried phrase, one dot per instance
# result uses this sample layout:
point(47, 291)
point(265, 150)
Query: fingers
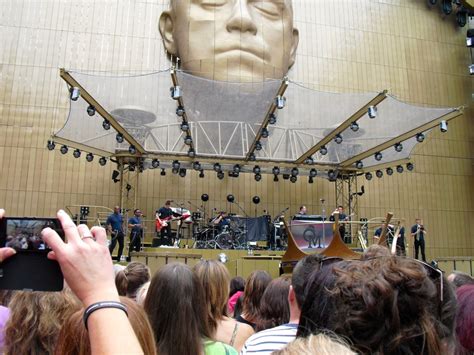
point(2, 213)
point(85, 234)
point(52, 239)
point(100, 235)
point(52, 255)
point(70, 229)
point(6, 253)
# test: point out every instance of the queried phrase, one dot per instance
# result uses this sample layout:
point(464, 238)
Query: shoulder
point(282, 334)
point(212, 347)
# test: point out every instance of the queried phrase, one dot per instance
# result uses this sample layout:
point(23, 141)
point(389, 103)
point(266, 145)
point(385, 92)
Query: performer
point(418, 233)
point(342, 217)
point(303, 210)
point(136, 234)
point(115, 228)
point(163, 217)
point(389, 234)
point(401, 243)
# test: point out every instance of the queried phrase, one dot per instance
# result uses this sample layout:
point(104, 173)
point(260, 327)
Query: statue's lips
point(239, 52)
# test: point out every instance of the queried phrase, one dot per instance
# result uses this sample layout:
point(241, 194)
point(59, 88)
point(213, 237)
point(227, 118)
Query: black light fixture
point(64, 149)
point(182, 172)
point(175, 92)
point(354, 126)
point(461, 17)
point(443, 126)
point(132, 149)
point(389, 171)
point(372, 111)
point(258, 145)
point(89, 157)
point(275, 178)
point(310, 180)
point(184, 126)
point(368, 176)
point(233, 174)
point(91, 110)
point(313, 173)
point(286, 176)
point(272, 119)
point(175, 164)
point(252, 157)
point(295, 172)
point(432, 2)
point(201, 173)
point(119, 137)
point(332, 175)
point(398, 147)
point(293, 179)
point(378, 156)
point(217, 167)
point(471, 69)
point(220, 175)
point(410, 166)
point(309, 161)
point(102, 161)
point(265, 133)
point(236, 168)
point(196, 165)
point(204, 197)
point(163, 172)
point(323, 150)
point(256, 169)
point(256, 199)
point(470, 37)
point(276, 170)
point(155, 163)
point(230, 198)
point(51, 145)
point(191, 153)
point(420, 137)
point(174, 171)
point(115, 176)
point(399, 169)
point(74, 93)
point(379, 173)
point(180, 111)
point(258, 177)
point(188, 140)
point(131, 167)
point(77, 153)
point(359, 164)
point(280, 102)
point(106, 125)
point(338, 139)
point(447, 7)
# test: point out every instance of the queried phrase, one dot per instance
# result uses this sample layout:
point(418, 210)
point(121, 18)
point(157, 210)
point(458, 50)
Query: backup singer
point(418, 233)
point(115, 228)
point(136, 234)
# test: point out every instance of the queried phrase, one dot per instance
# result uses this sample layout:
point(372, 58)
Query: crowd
point(380, 304)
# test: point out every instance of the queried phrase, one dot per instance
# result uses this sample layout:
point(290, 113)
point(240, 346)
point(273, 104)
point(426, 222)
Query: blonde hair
point(320, 344)
point(141, 293)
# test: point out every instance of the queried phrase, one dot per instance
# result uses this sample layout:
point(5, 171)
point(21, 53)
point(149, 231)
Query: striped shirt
point(270, 340)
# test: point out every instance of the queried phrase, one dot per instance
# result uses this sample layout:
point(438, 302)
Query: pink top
point(233, 300)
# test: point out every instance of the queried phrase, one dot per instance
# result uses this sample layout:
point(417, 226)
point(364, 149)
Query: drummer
point(221, 221)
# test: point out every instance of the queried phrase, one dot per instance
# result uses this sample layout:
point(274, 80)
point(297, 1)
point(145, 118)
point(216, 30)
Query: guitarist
point(163, 218)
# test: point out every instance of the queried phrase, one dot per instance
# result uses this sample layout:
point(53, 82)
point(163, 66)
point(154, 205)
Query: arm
point(87, 268)
point(5, 252)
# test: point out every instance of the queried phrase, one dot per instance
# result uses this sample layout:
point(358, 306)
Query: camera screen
point(25, 234)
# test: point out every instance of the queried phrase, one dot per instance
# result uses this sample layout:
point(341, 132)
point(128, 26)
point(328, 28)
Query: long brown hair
point(74, 338)
point(176, 308)
point(215, 279)
point(255, 286)
point(274, 309)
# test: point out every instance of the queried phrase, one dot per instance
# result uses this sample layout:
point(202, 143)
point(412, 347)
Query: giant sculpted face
point(231, 40)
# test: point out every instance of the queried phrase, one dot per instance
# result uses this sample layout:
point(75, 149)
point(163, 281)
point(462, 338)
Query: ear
point(166, 30)
point(294, 46)
point(291, 295)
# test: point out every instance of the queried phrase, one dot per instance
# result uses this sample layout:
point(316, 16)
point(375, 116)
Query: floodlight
point(443, 126)
point(180, 111)
point(220, 175)
point(155, 163)
point(379, 173)
point(175, 164)
point(399, 169)
point(64, 149)
point(272, 119)
point(293, 179)
point(420, 137)
point(90, 157)
point(217, 167)
point(258, 177)
point(359, 164)
point(368, 176)
point(280, 101)
point(184, 126)
point(51, 145)
point(389, 171)
point(378, 156)
point(310, 180)
point(372, 111)
point(461, 17)
point(276, 170)
point(74, 93)
point(265, 133)
point(106, 125)
point(188, 140)
point(398, 147)
point(163, 172)
point(410, 166)
point(222, 258)
point(132, 149)
point(354, 126)
point(471, 69)
point(447, 7)
point(76, 153)
point(91, 110)
point(256, 169)
point(258, 145)
point(115, 176)
point(175, 92)
point(119, 138)
point(323, 150)
point(182, 172)
point(294, 172)
point(196, 165)
point(470, 37)
point(338, 139)
point(332, 175)
point(201, 173)
point(313, 173)
point(236, 168)
point(102, 161)
point(309, 161)
point(191, 153)
point(252, 157)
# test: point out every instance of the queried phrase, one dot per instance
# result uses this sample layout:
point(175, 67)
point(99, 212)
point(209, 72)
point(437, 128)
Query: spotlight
point(184, 126)
point(378, 156)
point(115, 176)
point(174, 171)
point(155, 163)
point(163, 172)
point(461, 17)
point(398, 147)
point(175, 164)
point(310, 180)
point(447, 7)
point(258, 145)
point(90, 157)
point(74, 93)
point(119, 138)
point(230, 198)
point(323, 150)
point(368, 176)
point(294, 172)
point(91, 110)
point(132, 149)
point(309, 161)
point(332, 175)
point(182, 172)
point(275, 178)
point(191, 153)
point(180, 111)
point(338, 139)
point(175, 92)
point(204, 197)
point(76, 153)
point(359, 164)
point(236, 168)
point(258, 177)
point(280, 101)
point(220, 175)
point(293, 179)
point(443, 126)
point(276, 170)
point(201, 173)
point(399, 169)
point(470, 37)
point(410, 167)
point(51, 145)
point(389, 171)
point(196, 165)
point(286, 176)
point(102, 161)
point(471, 69)
point(372, 111)
point(252, 157)
point(106, 125)
point(313, 173)
point(420, 137)
point(188, 140)
point(265, 133)
point(217, 167)
point(272, 119)
point(64, 149)
point(354, 126)
point(256, 169)
point(256, 200)
point(379, 173)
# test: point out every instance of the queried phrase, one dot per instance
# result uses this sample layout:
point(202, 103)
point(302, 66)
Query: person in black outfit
point(136, 233)
point(166, 213)
point(115, 228)
point(342, 226)
point(418, 233)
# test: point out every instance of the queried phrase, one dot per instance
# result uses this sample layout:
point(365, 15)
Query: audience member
point(255, 286)
point(73, 338)
point(141, 293)
point(238, 306)
point(459, 278)
point(375, 250)
point(237, 286)
point(130, 279)
point(274, 307)
point(320, 344)
point(176, 306)
point(215, 279)
point(465, 320)
point(36, 319)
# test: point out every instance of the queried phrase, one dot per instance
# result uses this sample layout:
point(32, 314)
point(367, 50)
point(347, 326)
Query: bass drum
point(225, 240)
